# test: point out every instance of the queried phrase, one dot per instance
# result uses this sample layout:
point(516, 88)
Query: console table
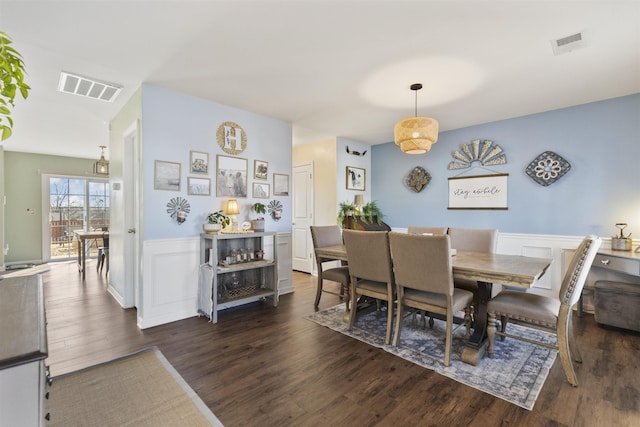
point(622, 266)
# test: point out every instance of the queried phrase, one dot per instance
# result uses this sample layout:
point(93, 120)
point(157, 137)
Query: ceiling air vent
point(568, 43)
point(88, 87)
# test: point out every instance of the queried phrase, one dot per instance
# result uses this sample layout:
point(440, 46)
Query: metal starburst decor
point(485, 153)
point(178, 208)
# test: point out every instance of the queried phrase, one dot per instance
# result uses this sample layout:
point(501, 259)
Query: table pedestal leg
point(476, 346)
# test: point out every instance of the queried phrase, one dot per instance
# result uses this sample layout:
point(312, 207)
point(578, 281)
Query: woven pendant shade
point(416, 134)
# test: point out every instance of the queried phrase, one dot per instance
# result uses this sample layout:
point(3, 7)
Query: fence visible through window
point(76, 204)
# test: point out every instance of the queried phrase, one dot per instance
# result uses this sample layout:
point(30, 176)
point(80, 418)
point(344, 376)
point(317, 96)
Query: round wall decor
point(547, 168)
point(275, 210)
point(231, 138)
point(178, 208)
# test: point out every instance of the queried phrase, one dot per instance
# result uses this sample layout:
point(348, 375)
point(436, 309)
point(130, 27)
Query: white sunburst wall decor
point(484, 152)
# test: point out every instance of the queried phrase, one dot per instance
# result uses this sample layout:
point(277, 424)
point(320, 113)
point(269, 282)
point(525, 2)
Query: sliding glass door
point(74, 203)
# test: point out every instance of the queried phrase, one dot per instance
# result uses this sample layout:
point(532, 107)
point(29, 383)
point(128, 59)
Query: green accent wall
point(22, 175)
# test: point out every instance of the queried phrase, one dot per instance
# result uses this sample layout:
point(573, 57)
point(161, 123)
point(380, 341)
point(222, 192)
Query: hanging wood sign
point(478, 192)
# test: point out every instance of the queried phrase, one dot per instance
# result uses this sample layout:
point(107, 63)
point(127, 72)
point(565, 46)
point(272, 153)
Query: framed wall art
point(261, 190)
point(478, 192)
point(280, 184)
point(166, 175)
point(198, 186)
point(260, 169)
point(231, 176)
point(199, 162)
point(356, 178)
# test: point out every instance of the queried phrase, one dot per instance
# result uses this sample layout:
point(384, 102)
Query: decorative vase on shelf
point(211, 228)
point(257, 224)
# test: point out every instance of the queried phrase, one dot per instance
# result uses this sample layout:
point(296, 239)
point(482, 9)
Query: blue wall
point(173, 124)
point(601, 140)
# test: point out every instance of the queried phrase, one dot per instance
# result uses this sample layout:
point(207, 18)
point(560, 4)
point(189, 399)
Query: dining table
point(82, 236)
point(484, 268)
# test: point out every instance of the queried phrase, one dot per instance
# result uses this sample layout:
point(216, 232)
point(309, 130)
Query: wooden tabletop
point(95, 234)
point(512, 270)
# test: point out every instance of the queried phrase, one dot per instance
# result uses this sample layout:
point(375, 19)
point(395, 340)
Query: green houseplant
point(216, 221)
point(371, 212)
point(260, 209)
point(349, 212)
point(345, 210)
point(12, 74)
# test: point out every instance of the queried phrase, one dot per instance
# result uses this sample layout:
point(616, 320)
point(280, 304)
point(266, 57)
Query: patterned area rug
point(516, 372)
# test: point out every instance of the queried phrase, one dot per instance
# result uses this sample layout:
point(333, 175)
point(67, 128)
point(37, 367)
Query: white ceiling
point(331, 68)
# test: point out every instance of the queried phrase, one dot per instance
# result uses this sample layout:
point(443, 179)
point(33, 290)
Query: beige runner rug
point(141, 389)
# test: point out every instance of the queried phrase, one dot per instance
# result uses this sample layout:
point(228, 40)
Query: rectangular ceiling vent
point(88, 87)
point(568, 43)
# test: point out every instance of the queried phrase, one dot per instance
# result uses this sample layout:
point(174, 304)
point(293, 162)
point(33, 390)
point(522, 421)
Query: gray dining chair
point(418, 229)
point(322, 236)
point(472, 240)
point(551, 314)
point(371, 271)
point(424, 280)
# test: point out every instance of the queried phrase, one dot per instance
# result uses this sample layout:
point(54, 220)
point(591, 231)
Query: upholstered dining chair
point(551, 314)
point(329, 235)
point(424, 280)
point(472, 240)
point(371, 271)
point(103, 252)
point(418, 229)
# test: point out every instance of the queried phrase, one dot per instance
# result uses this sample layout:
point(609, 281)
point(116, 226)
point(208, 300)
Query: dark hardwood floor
point(268, 366)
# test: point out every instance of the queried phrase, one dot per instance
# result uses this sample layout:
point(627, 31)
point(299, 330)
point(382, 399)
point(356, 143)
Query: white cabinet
point(23, 348)
point(232, 273)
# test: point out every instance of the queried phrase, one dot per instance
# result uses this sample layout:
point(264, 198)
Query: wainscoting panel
point(170, 281)
point(285, 263)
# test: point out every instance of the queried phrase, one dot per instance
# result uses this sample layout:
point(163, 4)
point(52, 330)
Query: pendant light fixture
point(415, 135)
point(101, 167)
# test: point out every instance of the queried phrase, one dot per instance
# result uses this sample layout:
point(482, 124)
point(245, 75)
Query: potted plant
point(216, 221)
point(371, 212)
point(260, 209)
point(346, 211)
point(12, 73)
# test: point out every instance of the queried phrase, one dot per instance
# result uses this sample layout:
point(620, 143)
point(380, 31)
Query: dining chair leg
point(387, 339)
point(319, 289)
point(563, 346)
point(396, 333)
point(491, 332)
point(467, 321)
point(447, 349)
point(354, 309)
point(573, 345)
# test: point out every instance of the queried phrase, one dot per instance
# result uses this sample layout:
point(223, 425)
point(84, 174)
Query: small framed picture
point(199, 162)
point(356, 178)
point(231, 176)
point(280, 184)
point(260, 169)
point(261, 190)
point(198, 186)
point(166, 176)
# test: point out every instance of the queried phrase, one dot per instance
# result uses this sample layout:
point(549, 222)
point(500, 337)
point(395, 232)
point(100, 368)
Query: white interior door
point(130, 234)
point(302, 217)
